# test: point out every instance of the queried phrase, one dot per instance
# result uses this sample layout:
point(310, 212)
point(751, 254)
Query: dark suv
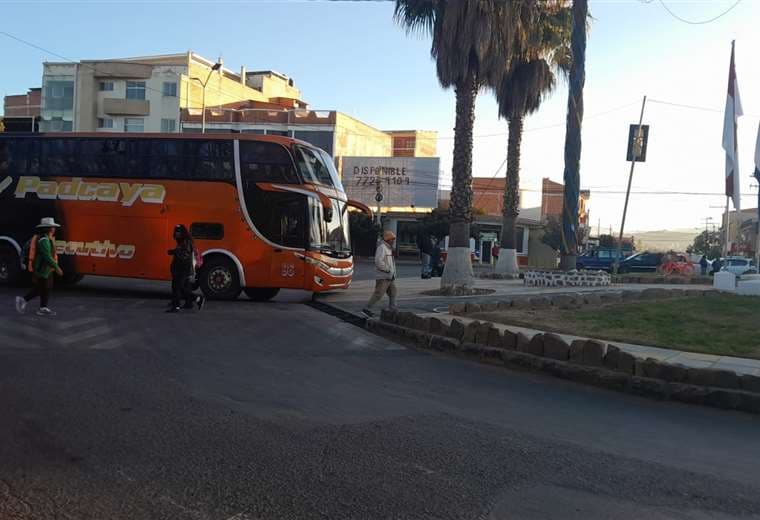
point(599, 259)
point(645, 262)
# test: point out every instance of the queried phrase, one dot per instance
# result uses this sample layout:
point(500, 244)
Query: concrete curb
point(590, 362)
point(663, 279)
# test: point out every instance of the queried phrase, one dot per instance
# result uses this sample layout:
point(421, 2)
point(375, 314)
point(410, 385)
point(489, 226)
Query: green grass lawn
point(719, 324)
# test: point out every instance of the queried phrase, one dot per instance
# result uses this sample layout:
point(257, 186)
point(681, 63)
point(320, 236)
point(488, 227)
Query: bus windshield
point(317, 167)
point(330, 237)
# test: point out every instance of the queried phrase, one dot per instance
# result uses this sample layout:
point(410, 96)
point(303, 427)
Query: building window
point(168, 125)
point(106, 86)
point(105, 122)
point(134, 125)
point(135, 90)
point(170, 89)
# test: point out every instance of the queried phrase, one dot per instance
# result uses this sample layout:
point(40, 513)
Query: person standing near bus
point(425, 245)
point(43, 262)
point(385, 277)
point(182, 269)
point(703, 264)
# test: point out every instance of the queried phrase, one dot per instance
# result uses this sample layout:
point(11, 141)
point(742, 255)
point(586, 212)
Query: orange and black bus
point(266, 212)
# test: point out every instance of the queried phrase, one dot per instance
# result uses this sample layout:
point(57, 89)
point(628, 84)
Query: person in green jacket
point(45, 264)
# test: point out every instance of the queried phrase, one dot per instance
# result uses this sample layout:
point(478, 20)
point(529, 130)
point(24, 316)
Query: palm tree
point(569, 248)
point(471, 41)
point(520, 92)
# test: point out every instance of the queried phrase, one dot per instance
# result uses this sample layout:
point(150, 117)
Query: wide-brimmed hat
point(48, 222)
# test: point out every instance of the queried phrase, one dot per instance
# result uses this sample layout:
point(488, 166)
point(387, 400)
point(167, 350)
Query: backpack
point(197, 259)
point(28, 253)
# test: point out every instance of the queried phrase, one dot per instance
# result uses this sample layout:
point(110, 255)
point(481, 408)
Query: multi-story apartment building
point(148, 94)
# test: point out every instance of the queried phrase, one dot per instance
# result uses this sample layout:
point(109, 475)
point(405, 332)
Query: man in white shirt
point(385, 277)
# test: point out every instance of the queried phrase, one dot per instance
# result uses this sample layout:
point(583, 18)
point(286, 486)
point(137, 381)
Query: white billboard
point(402, 181)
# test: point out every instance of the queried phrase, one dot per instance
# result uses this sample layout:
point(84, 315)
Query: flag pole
point(728, 226)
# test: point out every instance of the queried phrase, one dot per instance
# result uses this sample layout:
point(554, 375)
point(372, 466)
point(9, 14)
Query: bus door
point(288, 261)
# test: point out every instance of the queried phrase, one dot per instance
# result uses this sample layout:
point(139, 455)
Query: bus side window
point(266, 162)
point(13, 157)
point(4, 170)
point(166, 159)
point(101, 158)
point(58, 157)
point(136, 158)
point(208, 160)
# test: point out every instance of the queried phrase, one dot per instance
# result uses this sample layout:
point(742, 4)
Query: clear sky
point(350, 56)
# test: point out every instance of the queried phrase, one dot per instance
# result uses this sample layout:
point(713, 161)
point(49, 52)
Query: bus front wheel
point(261, 294)
point(10, 266)
point(219, 278)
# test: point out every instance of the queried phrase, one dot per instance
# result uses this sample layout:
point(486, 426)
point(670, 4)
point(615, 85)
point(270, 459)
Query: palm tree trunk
point(458, 270)
point(507, 262)
point(569, 244)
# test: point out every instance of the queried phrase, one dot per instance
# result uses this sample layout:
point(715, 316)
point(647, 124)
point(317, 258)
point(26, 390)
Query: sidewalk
point(410, 299)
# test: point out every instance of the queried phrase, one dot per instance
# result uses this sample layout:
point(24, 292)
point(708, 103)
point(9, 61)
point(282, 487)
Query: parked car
point(599, 259)
point(677, 263)
point(738, 265)
point(645, 262)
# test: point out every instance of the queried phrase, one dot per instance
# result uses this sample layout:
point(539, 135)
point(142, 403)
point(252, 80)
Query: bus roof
point(280, 139)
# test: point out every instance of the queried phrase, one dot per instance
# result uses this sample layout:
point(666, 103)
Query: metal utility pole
point(215, 67)
point(379, 200)
point(708, 221)
point(637, 150)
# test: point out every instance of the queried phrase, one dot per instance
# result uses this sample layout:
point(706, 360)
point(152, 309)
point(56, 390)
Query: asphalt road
point(114, 410)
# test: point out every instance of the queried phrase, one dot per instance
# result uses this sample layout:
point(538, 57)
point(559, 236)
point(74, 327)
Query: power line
point(699, 22)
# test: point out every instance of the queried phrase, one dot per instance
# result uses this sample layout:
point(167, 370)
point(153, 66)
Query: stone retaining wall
point(663, 279)
point(567, 278)
point(575, 300)
point(586, 361)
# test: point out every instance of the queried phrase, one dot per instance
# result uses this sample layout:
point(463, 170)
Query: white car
point(738, 265)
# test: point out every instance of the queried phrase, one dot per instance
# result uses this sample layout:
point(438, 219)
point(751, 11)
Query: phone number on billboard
point(370, 181)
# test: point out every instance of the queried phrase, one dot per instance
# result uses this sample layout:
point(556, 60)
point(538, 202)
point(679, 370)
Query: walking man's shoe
point(45, 311)
point(20, 305)
point(368, 313)
point(172, 310)
point(200, 301)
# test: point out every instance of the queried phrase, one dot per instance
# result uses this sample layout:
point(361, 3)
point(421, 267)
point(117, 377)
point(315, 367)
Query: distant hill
point(665, 240)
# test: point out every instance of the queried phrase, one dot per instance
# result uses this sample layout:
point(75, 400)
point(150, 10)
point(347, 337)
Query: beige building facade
point(149, 93)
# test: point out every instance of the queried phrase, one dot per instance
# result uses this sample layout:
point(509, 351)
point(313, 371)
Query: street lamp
point(215, 67)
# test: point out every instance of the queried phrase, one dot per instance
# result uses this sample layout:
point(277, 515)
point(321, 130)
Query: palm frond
point(524, 89)
point(417, 15)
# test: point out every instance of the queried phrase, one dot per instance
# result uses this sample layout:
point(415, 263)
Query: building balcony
point(126, 107)
point(260, 116)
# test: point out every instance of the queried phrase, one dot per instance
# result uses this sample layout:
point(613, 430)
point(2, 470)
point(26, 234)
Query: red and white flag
point(733, 111)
